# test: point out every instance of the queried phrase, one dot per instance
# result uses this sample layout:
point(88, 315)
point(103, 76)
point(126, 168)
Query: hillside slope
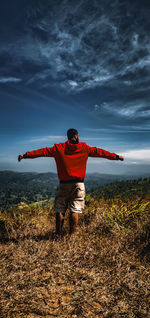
point(103, 271)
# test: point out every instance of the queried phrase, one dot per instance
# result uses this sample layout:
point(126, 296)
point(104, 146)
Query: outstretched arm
point(98, 152)
point(43, 152)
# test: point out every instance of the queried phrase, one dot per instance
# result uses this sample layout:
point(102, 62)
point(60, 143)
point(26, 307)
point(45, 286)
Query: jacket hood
point(73, 147)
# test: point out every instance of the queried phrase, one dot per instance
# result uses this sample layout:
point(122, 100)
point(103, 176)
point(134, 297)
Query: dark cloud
point(81, 45)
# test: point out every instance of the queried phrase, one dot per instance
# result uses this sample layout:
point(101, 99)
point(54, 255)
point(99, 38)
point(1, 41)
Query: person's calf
point(73, 222)
point(59, 223)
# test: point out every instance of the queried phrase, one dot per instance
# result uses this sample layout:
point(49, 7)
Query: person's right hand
point(20, 157)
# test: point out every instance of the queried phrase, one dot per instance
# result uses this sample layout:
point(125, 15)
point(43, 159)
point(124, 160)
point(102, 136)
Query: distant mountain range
point(8, 177)
point(33, 186)
point(12, 179)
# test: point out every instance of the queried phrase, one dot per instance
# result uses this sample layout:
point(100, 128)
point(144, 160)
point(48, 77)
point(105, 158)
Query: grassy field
point(103, 271)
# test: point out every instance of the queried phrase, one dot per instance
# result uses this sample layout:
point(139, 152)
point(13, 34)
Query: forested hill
point(26, 186)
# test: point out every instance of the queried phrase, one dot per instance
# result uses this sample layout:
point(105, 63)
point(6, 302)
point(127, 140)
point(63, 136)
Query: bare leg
point(73, 222)
point(59, 223)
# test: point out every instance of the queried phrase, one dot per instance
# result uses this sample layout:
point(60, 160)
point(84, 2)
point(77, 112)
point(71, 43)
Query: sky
point(75, 64)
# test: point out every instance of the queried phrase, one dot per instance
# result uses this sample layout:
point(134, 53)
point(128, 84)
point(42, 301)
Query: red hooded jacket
point(71, 158)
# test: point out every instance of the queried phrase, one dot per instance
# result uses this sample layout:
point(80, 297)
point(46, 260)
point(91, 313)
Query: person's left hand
point(121, 158)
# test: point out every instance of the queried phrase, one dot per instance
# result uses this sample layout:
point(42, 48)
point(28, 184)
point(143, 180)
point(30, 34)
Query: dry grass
point(103, 271)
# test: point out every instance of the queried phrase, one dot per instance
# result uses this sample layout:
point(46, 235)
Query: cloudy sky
point(75, 63)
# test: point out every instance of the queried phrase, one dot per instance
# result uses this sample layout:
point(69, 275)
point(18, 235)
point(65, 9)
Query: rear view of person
point(71, 159)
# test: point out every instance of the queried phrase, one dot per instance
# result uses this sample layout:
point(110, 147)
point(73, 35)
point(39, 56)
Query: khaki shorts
point(70, 196)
